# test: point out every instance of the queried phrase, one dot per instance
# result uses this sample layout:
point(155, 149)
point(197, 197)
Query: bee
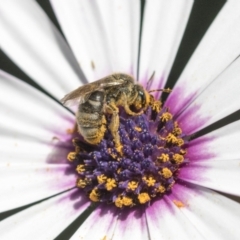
point(105, 96)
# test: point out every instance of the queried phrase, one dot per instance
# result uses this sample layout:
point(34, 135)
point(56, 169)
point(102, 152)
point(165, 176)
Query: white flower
point(103, 36)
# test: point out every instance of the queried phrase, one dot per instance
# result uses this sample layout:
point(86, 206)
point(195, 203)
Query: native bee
point(105, 96)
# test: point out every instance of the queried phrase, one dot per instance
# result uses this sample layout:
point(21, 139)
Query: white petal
point(222, 175)
point(220, 99)
point(165, 221)
point(99, 225)
point(221, 144)
point(33, 127)
point(163, 26)
point(103, 35)
point(45, 220)
point(33, 137)
point(132, 223)
point(122, 21)
point(215, 216)
point(215, 159)
point(219, 47)
point(34, 44)
point(27, 183)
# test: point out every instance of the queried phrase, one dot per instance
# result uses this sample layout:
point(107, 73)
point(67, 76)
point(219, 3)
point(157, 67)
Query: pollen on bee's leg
point(134, 165)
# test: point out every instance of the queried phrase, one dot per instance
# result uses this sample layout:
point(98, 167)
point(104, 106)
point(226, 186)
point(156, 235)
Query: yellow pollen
point(138, 129)
point(110, 184)
point(113, 155)
point(161, 189)
point(71, 156)
point(171, 185)
point(150, 181)
point(80, 168)
point(177, 131)
point(156, 106)
point(171, 138)
point(138, 105)
point(178, 158)
point(179, 204)
point(81, 183)
point(127, 201)
point(143, 198)
point(101, 178)
point(119, 149)
point(132, 185)
point(183, 152)
point(94, 195)
point(166, 117)
point(164, 157)
point(119, 202)
point(123, 201)
point(180, 142)
point(166, 173)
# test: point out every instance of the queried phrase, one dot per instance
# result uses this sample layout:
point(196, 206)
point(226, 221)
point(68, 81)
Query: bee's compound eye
point(97, 96)
point(142, 95)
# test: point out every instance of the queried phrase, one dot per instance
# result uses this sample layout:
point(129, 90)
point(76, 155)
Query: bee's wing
point(81, 94)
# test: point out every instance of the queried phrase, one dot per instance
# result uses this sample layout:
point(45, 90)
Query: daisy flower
point(176, 175)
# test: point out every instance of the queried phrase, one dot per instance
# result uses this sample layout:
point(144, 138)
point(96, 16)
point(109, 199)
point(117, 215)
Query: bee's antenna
point(150, 80)
point(168, 90)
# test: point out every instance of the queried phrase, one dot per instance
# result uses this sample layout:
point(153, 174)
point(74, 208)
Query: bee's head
point(143, 98)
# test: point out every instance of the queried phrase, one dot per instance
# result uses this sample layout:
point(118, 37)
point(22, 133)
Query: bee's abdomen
point(90, 118)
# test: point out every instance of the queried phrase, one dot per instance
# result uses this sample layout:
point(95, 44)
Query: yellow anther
point(166, 117)
point(113, 155)
point(101, 178)
point(156, 106)
point(81, 183)
point(177, 131)
point(94, 196)
point(171, 138)
point(132, 185)
point(143, 198)
point(123, 201)
point(161, 189)
point(164, 157)
point(180, 142)
point(178, 158)
point(119, 202)
point(80, 168)
point(71, 156)
point(183, 151)
point(150, 181)
point(166, 173)
point(138, 129)
point(127, 201)
point(110, 184)
point(119, 149)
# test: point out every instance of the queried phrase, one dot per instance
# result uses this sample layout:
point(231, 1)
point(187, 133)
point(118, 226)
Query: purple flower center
point(147, 166)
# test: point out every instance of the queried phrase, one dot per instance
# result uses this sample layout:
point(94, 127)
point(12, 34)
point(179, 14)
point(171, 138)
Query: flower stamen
point(151, 153)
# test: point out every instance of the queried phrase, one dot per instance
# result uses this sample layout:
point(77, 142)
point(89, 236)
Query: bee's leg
point(128, 110)
point(114, 125)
